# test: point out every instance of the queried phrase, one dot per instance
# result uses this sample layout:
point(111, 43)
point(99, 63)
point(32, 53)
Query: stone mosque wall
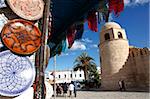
point(135, 72)
point(119, 61)
point(136, 68)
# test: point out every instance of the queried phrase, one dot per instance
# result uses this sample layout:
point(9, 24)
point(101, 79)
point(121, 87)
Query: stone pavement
point(108, 95)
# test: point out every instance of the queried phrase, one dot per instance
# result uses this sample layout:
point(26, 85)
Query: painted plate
point(27, 9)
point(2, 3)
point(3, 20)
point(16, 75)
point(21, 37)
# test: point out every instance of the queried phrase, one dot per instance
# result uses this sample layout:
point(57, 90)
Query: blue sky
point(134, 19)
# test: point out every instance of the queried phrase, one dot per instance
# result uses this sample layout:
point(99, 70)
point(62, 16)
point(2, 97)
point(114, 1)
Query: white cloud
point(69, 53)
point(97, 50)
point(110, 17)
point(135, 2)
point(64, 54)
point(87, 40)
point(77, 45)
point(94, 46)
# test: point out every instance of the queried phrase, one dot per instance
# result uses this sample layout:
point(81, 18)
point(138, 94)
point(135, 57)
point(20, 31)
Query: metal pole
point(54, 77)
point(40, 58)
point(107, 17)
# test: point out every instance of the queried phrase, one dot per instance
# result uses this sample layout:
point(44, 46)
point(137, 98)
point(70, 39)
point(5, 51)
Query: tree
point(85, 63)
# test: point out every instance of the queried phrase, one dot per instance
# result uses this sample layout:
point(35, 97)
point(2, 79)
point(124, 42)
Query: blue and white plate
point(17, 74)
point(2, 3)
point(3, 21)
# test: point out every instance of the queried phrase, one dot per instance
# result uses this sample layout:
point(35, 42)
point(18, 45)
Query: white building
point(67, 76)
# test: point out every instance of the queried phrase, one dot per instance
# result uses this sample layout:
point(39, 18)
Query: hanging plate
point(2, 3)
point(21, 37)
point(3, 20)
point(27, 9)
point(17, 74)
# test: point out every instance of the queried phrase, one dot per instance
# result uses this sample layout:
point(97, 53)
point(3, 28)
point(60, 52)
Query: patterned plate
point(21, 37)
point(2, 3)
point(16, 75)
point(3, 20)
point(27, 9)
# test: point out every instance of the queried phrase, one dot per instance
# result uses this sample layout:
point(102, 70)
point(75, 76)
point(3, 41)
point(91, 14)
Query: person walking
point(122, 85)
point(71, 88)
point(58, 89)
point(75, 89)
point(65, 89)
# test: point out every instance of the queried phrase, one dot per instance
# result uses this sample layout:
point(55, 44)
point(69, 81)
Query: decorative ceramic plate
point(21, 37)
point(28, 94)
point(2, 3)
point(27, 9)
point(17, 74)
point(3, 20)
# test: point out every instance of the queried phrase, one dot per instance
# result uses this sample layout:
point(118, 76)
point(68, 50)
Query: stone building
point(67, 76)
point(119, 61)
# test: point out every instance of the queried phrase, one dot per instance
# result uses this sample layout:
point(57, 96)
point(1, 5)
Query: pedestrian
point(65, 89)
point(75, 89)
point(120, 85)
point(71, 88)
point(123, 85)
point(58, 89)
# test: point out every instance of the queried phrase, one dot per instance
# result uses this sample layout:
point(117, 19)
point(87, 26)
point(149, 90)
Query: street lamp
point(54, 77)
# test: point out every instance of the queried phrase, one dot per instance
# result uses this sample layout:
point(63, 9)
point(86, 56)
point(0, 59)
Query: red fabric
point(92, 21)
point(116, 5)
point(71, 35)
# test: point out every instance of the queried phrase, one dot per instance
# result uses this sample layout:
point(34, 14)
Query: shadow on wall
point(135, 72)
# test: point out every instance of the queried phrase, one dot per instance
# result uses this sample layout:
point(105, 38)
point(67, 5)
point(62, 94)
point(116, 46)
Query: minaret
point(114, 50)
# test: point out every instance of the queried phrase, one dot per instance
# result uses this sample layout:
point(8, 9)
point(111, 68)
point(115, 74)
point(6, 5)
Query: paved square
point(108, 95)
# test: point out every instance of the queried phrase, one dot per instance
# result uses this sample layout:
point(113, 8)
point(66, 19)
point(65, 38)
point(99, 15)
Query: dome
point(109, 25)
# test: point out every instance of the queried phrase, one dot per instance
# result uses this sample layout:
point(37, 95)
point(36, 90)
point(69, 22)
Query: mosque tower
point(114, 50)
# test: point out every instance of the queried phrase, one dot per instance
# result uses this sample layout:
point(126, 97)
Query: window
point(133, 54)
point(75, 75)
point(71, 75)
point(120, 35)
point(80, 75)
point(141, 52)
point(58, 76)
point(65, 75)
point(107, 37)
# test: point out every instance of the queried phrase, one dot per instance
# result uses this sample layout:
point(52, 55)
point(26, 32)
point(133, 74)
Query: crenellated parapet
point(136, 52)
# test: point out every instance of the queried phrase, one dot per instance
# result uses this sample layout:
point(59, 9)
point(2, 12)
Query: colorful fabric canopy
point(66, 13)
point(92, 21)
point(116, 5)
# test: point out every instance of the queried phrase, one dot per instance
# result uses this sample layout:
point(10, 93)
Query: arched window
point(133, 54)
point(107, 37)
point(58, 76)
point(120, 35)
point(141, 52)
point(80, 75)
